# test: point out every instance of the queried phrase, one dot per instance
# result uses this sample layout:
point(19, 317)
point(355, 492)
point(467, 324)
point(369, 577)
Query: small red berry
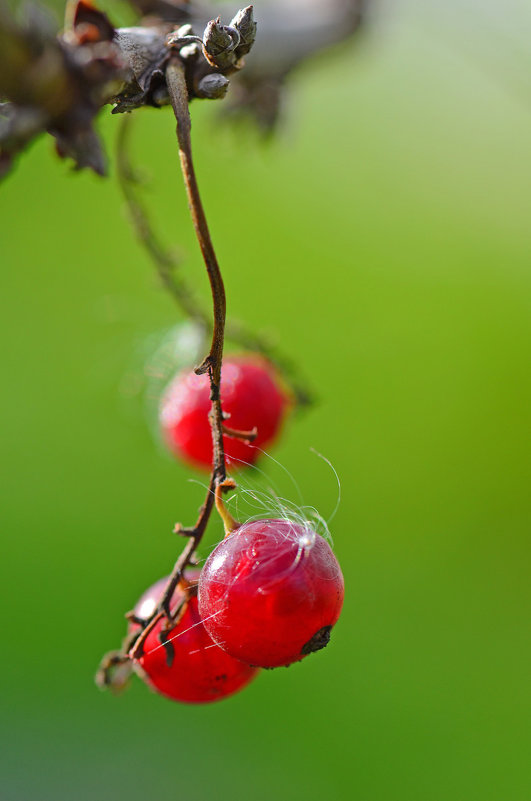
point(270, 592)
point(149, 600)
point(190, 667)
point(251, 396)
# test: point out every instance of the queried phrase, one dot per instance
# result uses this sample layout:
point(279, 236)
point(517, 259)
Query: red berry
point(149, 600)
point(190, 668)
point(270, 592)
point(251, 396)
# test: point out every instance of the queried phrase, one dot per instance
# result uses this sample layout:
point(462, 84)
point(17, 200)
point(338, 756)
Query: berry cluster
point(271, 591)
point(267, 596)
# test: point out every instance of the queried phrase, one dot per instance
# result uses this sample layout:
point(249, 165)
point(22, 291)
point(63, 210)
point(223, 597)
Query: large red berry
point(270, 592)
point(251, 396)
point(190, 667)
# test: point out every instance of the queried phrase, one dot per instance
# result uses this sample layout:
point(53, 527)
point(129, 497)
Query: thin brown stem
point(167, 266)
point(164, 608)
point(175, 78)
point(176, 82)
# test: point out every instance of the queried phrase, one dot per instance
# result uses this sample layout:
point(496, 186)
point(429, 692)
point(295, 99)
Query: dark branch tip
point(204, 367)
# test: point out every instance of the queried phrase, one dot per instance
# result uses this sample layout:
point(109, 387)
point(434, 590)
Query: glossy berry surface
point(251, 396)
point(270, 592)
point(192, 669)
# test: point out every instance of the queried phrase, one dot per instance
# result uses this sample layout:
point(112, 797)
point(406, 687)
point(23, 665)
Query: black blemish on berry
point(168, 648)
point(319, 640)
point(222, 677)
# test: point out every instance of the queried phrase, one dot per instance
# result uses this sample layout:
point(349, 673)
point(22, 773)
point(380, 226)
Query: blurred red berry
point(251, 396)
point(149, 600)
point(270, 592)
point(190, 667)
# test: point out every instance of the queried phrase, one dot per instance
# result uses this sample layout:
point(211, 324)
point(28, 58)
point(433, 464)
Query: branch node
point(205, 366)
point(183, 531)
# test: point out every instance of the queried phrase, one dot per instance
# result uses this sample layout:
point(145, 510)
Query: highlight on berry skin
point(183, 663)
point(271, 592)
point(252, 397)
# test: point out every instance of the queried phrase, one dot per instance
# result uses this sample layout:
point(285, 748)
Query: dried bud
point(160, 96)
point(213, 86)
point(219, 44)
point(246, 27)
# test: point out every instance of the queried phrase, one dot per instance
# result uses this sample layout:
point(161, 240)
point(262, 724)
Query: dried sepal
point(146, 53)
point(86, 24)
point(114, 672)
point(57, 84)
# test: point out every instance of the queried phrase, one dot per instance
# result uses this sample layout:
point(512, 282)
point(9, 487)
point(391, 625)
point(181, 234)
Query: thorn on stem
point(246, 436)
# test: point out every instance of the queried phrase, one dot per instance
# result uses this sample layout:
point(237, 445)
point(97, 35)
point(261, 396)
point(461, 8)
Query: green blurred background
point(385, 243)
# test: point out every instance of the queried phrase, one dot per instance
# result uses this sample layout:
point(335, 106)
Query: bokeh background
point(383, 239)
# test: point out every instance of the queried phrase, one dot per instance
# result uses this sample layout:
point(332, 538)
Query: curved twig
point(175, 77)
